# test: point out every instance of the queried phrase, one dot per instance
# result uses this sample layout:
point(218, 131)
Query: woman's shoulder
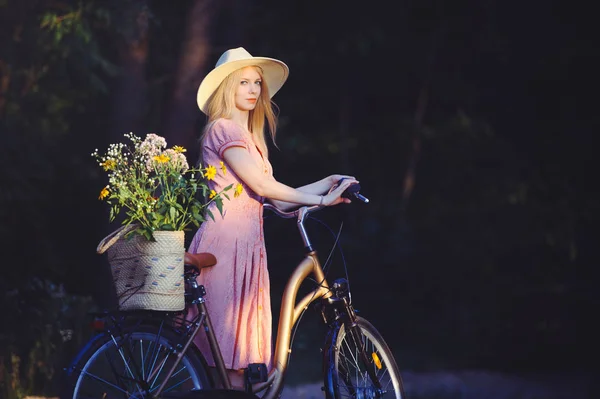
point(224, 123)
point(224, 130)
point(224, 127)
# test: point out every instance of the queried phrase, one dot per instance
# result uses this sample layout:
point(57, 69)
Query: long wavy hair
point(221, 104)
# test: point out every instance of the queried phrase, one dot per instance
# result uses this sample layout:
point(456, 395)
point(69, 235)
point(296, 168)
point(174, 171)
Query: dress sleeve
point(225, 134)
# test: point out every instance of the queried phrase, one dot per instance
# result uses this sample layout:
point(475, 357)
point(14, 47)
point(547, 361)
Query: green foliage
point(52, 73)
point(65, 24)
point(46, 326)
point(52, 65)
point(47, 87)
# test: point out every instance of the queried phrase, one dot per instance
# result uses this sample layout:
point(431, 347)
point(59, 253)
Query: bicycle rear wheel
point(133, 365)
point(346, 375)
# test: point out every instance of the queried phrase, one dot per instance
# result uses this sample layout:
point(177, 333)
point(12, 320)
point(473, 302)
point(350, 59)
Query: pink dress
point(237, 287)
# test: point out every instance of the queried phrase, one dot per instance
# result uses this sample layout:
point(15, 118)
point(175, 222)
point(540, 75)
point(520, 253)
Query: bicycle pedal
point(210, 394)
point(255, 373)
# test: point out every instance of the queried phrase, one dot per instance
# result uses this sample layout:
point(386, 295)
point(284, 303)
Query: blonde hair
point(221, 104)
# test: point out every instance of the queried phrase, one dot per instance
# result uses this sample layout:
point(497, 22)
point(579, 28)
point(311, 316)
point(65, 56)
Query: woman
point(236, 97)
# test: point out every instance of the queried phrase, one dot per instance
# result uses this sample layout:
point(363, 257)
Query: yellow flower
point(212, 194)
point(109, 164)
point(238, 190)
point(104, 193)
point(162, 158)
point(210, 172)
point(178, 149)
point(223, 168)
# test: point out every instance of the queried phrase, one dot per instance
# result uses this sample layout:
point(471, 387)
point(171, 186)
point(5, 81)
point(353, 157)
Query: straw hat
point(275, 73)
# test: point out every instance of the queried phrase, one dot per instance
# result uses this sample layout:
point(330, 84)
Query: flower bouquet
point(159, 196)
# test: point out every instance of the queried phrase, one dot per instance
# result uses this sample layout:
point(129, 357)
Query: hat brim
point(275, 73)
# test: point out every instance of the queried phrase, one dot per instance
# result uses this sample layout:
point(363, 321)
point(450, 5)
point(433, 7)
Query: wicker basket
point(147, 274)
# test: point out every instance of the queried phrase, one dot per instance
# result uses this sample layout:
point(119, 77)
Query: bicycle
point(149, 354)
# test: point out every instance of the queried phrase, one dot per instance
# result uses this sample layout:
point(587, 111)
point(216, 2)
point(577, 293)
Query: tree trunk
point(130, 87)
point(179, 126)
point(422, 102)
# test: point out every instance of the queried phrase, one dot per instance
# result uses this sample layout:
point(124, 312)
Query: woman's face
point(248, 90)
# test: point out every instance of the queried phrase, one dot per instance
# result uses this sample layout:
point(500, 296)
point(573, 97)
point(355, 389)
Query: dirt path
point(475, 385)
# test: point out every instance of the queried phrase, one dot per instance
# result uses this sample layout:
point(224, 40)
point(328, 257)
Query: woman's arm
point(320, 187)
point(244, 166)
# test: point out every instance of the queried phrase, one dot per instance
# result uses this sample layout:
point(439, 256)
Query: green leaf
point(199, 218)
point(146, 233)
point(209, 213)
point(219, 203)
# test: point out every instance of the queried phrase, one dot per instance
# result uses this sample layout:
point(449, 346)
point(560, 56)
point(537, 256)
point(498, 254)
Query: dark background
point(470, 124)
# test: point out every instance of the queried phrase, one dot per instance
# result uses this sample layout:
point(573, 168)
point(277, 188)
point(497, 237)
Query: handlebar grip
point(353, 191)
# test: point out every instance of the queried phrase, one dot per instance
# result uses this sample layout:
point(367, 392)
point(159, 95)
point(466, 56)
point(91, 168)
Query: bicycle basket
point(148, 275)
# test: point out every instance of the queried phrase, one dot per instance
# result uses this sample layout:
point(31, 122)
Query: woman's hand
point(334, 196)
point(333, 179)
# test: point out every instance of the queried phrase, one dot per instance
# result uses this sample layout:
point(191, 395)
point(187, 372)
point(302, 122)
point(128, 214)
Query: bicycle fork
point(338, 309)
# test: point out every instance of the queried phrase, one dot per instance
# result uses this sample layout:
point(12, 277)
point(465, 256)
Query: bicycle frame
point(290, 311)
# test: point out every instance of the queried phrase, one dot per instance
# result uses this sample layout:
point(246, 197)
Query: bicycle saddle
point(201, 260)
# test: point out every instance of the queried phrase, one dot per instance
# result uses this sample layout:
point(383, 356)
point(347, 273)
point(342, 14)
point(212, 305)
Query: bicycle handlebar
point(291, 214)
point(301, 213)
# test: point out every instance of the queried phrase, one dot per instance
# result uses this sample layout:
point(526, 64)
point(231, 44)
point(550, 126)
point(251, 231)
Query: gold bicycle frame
point(289, 313)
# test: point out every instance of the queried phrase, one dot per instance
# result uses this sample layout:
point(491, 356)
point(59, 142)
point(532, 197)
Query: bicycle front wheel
point(134, 365)
point(346, 375)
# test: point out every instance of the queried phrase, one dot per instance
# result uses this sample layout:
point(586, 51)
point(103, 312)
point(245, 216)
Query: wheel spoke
point(168, 389)
point(143, 364)
point(126, 363)
point(103, 381)
point(352, 353)
point(162, 365)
